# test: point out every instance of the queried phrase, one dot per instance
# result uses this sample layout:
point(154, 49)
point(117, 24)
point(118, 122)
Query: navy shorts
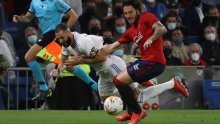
point(47, 38)
point(143, 70)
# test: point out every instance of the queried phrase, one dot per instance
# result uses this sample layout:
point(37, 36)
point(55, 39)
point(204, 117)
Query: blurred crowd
point(192, 38)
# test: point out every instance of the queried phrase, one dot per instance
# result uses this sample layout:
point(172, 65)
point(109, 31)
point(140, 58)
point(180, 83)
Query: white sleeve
point(65, 51)
point(88, 47)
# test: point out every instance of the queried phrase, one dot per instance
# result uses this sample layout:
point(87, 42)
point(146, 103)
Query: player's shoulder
point(146, 14)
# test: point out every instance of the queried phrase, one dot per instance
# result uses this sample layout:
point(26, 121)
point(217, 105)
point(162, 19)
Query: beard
point(67, 43)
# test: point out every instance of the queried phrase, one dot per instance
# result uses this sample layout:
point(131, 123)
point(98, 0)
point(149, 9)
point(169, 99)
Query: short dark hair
point(61, 26)
point(132, 3)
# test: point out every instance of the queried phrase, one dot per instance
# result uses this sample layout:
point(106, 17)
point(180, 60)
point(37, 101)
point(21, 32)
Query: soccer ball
point(113, 105)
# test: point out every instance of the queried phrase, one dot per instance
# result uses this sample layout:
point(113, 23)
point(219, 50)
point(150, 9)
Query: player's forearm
point(24, 19)
point(159, 31)
point(109, 49)
point(89, 61)
point(72, 18)
point(63, 58)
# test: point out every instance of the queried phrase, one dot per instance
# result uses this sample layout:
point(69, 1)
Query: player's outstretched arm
point(110, 48)
point(72, 18)
point(25, 18)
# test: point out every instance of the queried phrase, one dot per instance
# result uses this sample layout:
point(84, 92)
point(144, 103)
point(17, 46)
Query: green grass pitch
point(100, 117)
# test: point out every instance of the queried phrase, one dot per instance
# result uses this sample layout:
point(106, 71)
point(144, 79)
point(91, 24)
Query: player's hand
point(69, 68)
point(147, 43)
point(72, 61)
point(16, 18)
point(54, 73)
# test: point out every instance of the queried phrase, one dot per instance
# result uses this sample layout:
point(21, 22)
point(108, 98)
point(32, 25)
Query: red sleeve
point(125, 37)
point(149, 19)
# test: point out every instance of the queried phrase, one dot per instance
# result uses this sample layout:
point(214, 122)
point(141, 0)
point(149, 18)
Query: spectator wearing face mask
point(167, 50)
point(119, 28)
point(155, 7)
point(170, 21)
point(31, 37)
point(179, 48)
point(195, 52)
point(212, 18)
point(210, 45)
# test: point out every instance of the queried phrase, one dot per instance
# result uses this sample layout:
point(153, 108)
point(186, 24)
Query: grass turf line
point(100, 117)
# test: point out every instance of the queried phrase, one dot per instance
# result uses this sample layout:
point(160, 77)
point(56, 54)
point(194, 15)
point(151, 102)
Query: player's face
point(130, 14)
point(63, 38)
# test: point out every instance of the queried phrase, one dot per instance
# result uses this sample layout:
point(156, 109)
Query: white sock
point(152, 91)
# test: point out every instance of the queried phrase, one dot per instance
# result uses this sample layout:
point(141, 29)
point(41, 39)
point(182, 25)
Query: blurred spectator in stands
point(193, 17)
point(142, 5)
point(4, 64)
point(104, 8)
point(157, 8)
point(6, 51)
point(8, 9)
point(117, 12)
point(107, 36)
point(212, 18)
point(90, 12)
point(173, 8)
point(2, 15)
point(210, 45)
point(211, 2)
point(8, 54)
point(179, 48)
point(170, 21)
point(119, 27)
point(167, 50)
point(195, 52)
point(76, 5)
point(94, 26)
point(31, 37)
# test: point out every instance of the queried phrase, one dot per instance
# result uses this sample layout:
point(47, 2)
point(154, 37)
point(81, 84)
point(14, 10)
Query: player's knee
point(117, 82)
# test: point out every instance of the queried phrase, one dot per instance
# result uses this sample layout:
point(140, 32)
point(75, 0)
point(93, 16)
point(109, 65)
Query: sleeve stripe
point(30, 12)
point(67, 10)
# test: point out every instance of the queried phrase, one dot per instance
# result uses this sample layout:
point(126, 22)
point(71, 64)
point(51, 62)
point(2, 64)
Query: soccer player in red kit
point(146, 30)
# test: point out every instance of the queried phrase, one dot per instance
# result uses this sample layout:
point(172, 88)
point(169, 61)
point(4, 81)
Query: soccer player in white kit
point(87, 49)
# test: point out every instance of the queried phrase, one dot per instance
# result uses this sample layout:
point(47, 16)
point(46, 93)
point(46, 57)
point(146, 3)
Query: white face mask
point(32, 39)
point(195, 57)
point(171, 26)
point(107, 1)
point(121, 30)
point(210, 36)
point(150, 1)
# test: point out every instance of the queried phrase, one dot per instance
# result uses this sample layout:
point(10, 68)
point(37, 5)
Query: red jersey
point(139, 33)
point(188, 63)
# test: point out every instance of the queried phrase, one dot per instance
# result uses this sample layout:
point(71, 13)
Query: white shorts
point(106, 87)
point(105, 83)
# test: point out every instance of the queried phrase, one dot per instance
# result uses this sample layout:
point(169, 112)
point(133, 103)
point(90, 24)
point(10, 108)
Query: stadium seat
point(211, 92)
point(1, 103)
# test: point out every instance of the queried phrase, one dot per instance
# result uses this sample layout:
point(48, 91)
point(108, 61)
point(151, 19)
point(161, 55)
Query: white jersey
point(87, 45)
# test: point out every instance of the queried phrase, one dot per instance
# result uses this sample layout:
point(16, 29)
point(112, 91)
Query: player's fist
point(16, 18)
point(147, 43)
